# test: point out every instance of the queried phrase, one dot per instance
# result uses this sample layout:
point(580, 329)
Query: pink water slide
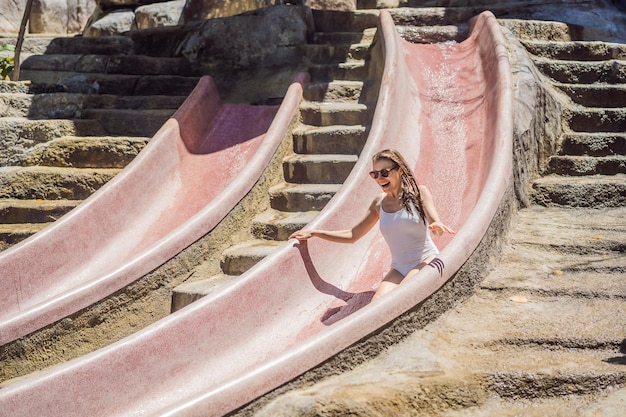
point(195, 169)
point(448, 108)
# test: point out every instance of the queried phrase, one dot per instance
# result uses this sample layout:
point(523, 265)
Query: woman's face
point(387, 167)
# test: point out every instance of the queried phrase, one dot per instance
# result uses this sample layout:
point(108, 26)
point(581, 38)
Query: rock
point(115, 22)
point(60, 16)
point(345, 5)
point(208, 9)
point(47, 16)
point(159, 14)
point(11, 15)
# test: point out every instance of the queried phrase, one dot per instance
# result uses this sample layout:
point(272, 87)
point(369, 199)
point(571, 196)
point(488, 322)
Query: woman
point(407, 216)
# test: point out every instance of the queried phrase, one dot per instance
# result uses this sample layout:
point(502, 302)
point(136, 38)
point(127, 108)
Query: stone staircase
point(87, 107)
point(334, 120)
point(589, 169)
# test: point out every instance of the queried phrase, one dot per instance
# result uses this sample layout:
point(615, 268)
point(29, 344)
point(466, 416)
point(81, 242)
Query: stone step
point(334, 139)
point(85, 152)
point(101, 45)
point(187, 293)
point(117, 84)
point(33, 43)
point(327, 53)
point(339, 21)
point(595, 119)
point(576, 51)
point(301, 197)
point(351, 71)
point(70, 105)
point(594, 144)
point(318, 169)
point(434, 34)
point(333, 91)
point(345, 38)
point(279, 225)
point(34, 211)
point(595, 95)
point(589, 191)
point(587, 165)
point(12, 234)
point(18, 134)
point(239, 258)
point(582, 253)
point(129, 122)
point(543, 346)
point(547, 31)
point(327, 114)
point(580, 72)
point(49, 183)
point(107, 64)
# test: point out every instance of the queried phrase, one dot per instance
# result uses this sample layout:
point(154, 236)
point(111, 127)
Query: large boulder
point(60, 16)
point(11, 12)
point(46, 16)
point(159, 14)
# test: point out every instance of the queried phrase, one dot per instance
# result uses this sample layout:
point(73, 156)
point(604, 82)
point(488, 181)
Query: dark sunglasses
point(383, 172)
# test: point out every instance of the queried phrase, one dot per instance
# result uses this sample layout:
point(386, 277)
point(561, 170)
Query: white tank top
point(408, 237)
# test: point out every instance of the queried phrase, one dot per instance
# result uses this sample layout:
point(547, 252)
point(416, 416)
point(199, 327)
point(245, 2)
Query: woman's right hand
point(302, 234)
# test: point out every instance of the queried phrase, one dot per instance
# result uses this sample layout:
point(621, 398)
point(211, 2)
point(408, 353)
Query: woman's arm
point(344, 236)
point(434, 223)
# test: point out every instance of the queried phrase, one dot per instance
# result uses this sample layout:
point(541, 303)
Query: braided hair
point(411, 197)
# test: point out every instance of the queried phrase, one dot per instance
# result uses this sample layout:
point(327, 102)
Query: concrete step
point(12, 234)
point(239, 258)
point(328, 53)
point(351, 71)
point(34, 211)
point(434, 34)
point(279, 225)
point(101, 45)
point(318, 169)
point(595, 95)
point(107, 64)
point(587, 165)
point(301, 197)
point(33, 43)
point(582, 254)
point(594, 144)
point(117, 84)
point(345, 38)
point(339, 21)
point(18, 134)
point(85, 152)
point(583, 72)
point(187, 293)
point(129, 122)
point(70, 105)
point(49, 183)
point(333, 91)
point(334, 139)
point(327, 114)
point(547, 30)
point(589, 191)
point(576, 51)
point(595, 119)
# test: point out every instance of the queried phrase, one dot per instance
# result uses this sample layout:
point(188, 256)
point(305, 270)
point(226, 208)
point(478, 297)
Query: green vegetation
point(6, 62)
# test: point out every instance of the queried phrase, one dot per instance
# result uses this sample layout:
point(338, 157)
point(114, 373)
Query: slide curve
point(448, 108)
point(195, 169)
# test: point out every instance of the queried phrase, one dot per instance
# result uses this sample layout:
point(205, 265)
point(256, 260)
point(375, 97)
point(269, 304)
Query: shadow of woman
point(619, 360)
point(353, 301)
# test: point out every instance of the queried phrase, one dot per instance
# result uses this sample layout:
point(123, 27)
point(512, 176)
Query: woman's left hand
point(438, 228)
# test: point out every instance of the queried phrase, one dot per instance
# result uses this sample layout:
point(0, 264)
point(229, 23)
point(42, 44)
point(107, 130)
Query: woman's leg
point(393, 278)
